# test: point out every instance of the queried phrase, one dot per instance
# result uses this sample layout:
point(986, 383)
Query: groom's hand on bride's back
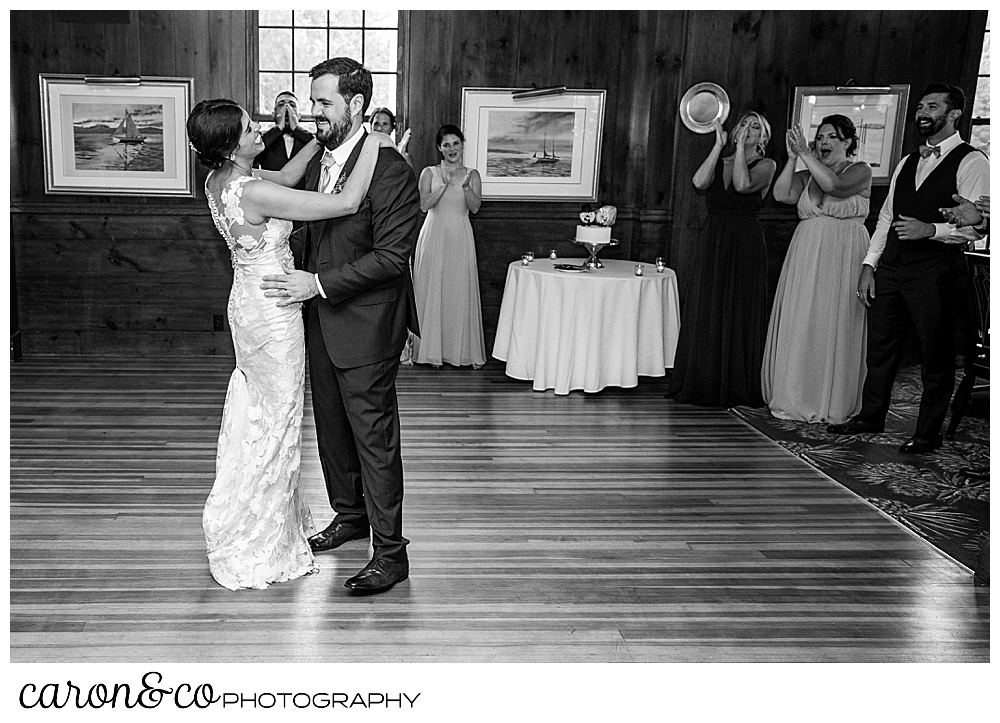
point(293, 288)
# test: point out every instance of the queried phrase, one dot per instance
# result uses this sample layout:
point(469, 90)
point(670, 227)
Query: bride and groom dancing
point(361, 214)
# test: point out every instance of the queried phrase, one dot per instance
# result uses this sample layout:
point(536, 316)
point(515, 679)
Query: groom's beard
point(333, 136)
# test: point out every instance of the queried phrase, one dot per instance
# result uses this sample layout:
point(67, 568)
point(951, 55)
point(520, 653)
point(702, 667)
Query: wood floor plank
point(618, 526)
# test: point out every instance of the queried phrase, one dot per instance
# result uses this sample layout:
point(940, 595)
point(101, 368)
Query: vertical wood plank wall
point(134, 275)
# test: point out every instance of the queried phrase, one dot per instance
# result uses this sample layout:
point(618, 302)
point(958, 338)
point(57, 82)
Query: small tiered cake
point(596, 228)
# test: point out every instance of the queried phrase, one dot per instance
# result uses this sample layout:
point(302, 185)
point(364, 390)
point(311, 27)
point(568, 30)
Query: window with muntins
point(980, 134)
point(291, 42)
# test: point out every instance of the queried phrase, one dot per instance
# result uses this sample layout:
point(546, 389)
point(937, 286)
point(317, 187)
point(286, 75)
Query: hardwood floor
point(618, 526)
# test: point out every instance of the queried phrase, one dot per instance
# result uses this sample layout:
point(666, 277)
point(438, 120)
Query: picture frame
point(879, 114)
point(116, 136)
point(534, 146)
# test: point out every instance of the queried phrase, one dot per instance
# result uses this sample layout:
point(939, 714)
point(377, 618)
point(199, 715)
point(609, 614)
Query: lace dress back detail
point(256, 523)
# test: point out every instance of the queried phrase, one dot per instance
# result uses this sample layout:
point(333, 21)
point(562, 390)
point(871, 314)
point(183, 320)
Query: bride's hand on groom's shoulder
point(383, 140)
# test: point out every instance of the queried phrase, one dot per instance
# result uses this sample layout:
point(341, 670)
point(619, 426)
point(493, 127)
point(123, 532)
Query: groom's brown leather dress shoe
point(335, 535)
point(378, 575)
point(855, 426)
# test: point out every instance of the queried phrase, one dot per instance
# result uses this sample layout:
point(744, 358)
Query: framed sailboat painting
point(534, 145)
point(116, 136)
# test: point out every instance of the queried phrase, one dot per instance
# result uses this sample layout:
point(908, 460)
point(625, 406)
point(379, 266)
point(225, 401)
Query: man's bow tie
point(927, 150)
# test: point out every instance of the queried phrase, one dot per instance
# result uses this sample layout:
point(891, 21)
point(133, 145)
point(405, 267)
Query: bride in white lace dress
point(256, 523)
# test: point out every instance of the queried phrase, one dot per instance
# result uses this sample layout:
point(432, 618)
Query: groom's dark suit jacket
point(363, 262)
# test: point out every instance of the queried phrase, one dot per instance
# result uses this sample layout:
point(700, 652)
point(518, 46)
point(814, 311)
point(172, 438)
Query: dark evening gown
point(724, 317)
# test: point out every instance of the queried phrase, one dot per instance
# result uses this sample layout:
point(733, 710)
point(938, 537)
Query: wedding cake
point(596, 227)
point(593, 234)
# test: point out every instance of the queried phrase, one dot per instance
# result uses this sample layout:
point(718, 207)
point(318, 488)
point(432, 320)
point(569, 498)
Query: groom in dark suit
point(358, 279)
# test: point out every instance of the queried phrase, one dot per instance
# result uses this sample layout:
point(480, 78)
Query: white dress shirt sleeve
point(973, 181)
point(877, 244)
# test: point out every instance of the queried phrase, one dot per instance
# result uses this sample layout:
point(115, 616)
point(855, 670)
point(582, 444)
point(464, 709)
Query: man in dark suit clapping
point(361, 304)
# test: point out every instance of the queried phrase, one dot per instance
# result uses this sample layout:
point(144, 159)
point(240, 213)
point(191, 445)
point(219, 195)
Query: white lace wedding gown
point(256, 524)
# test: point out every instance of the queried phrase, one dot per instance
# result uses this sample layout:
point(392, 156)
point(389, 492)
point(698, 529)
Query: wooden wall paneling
point(157, 41)
point(938, 46)
point(111, 220)
point(57, 39)
point(708, 35)
point(226, 47)
point(632, 110)
point(829, 53)
point(667, 55)
point(862, 53)
point(498, 64)
point(433, 99)
point(469, 52)
point(741, 76)
point(39, 44)
point(88, 42)
point(540, 38)
point(121, 45)
point(894, 42)
point(783, 43)
point(193, 31)
point(126, 342)
point(652, 235)
point(152, 275)
point(147, 282)
point(25, 107)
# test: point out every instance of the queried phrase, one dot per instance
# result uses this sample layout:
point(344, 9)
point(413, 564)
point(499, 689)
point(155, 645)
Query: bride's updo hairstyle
point(214, 128)
point(845, 130)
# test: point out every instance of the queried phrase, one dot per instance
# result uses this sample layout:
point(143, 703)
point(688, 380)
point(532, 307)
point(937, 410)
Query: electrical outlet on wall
point(217, 324)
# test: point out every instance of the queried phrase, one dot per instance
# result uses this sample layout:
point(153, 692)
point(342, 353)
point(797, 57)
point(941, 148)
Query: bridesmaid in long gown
point(445, 275)
point(814, 360)
point(724, 317)
point(255, 520)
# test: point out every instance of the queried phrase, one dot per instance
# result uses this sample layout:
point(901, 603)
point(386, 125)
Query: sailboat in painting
point(546, 157)
point(127, 131)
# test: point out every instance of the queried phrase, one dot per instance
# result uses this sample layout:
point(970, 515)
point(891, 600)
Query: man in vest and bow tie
point(922, 269)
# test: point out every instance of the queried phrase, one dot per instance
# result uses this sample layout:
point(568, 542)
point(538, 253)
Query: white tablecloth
point(588, 330)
